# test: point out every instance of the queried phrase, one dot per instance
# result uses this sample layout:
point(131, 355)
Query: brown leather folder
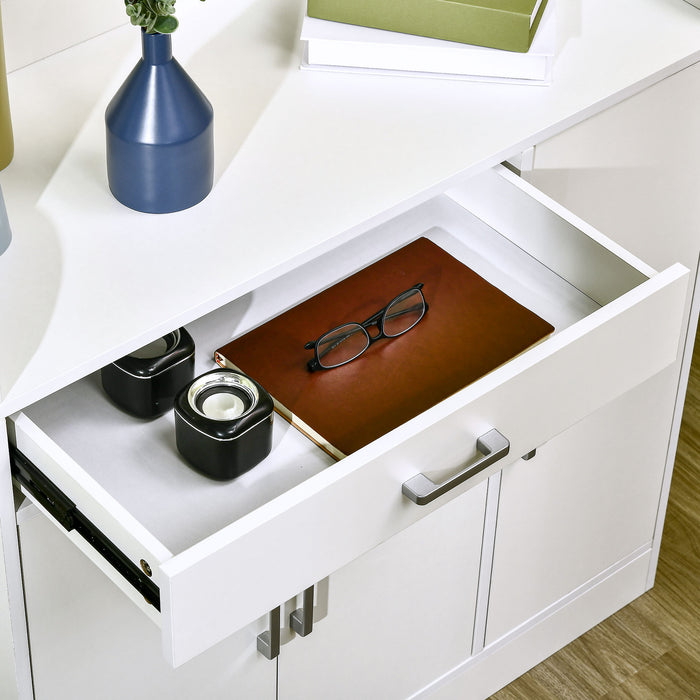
point(471, 327)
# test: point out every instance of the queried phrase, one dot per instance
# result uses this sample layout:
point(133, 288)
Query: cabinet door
point(585, 502)
point(398, 617)
point(88, 641)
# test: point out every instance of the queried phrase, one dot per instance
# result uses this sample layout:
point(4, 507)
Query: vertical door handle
point(269, 640)
point(422, 490)
point(302, 619)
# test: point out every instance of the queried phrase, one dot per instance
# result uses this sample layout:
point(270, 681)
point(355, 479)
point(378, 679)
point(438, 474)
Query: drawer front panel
point(233, 577)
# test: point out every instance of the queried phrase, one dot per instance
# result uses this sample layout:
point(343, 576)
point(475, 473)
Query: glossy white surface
point(304, 160)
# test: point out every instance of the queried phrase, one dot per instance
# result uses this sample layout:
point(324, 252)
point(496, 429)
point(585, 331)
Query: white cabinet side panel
point(8, 675)
point(15, 669)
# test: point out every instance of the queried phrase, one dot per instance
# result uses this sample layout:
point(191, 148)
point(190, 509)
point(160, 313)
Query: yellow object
point(6, 140)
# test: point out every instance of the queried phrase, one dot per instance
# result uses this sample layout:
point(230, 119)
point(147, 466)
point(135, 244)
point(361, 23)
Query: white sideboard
point(319, 174)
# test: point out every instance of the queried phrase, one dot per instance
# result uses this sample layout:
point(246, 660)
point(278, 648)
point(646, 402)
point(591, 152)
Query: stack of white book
point(346, 47)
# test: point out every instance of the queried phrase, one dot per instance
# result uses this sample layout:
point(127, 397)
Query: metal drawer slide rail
point(55, 502)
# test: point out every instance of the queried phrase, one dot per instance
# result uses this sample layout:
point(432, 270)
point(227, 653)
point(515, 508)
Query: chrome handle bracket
point(302, 619)
point(269, 640)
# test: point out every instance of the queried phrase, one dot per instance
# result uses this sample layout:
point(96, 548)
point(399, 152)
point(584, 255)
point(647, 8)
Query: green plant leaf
point(165, 25)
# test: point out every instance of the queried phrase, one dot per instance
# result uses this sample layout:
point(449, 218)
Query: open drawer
point(214, 557)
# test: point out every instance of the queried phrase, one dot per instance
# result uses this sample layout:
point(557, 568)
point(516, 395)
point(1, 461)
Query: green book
point(498, 24)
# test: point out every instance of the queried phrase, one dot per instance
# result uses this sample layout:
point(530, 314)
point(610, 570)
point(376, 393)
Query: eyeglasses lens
point(342, 345)
point(404, 312)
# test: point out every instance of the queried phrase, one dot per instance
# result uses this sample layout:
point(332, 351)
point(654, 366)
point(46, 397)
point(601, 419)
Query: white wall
point(34, 29)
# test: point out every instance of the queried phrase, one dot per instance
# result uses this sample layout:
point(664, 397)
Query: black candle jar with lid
point(146, 382)
point(223, 423)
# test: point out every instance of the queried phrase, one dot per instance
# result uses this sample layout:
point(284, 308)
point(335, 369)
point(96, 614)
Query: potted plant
point(160, 146)
point(155, 16)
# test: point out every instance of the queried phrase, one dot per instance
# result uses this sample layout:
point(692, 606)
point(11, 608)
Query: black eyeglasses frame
point(376, 319)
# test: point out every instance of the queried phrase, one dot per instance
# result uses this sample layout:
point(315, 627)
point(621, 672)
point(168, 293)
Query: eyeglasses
point(347, 342)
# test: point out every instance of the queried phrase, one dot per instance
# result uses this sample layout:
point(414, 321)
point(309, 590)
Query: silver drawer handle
point(422, 490)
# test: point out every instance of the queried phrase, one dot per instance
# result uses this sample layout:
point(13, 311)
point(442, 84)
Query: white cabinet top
point(304, 160)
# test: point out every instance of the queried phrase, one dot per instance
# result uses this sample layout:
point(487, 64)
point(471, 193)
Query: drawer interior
point(534, 254)
point(136, 461)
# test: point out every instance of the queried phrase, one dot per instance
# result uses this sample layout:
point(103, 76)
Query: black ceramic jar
point(146, 382)
point(223, 423)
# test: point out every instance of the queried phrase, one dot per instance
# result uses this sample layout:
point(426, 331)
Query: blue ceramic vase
point(160, 134)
